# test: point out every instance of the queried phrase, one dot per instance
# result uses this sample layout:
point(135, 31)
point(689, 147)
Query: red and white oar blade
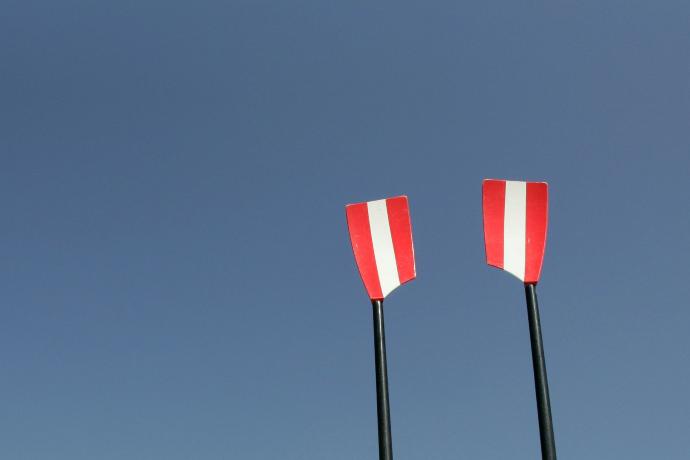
point(515, 221)
point(381, 237)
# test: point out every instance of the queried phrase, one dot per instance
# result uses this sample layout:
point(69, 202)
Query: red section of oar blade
point(401, 234)
point(535, 235)
point(363, 247)
point(493, 204)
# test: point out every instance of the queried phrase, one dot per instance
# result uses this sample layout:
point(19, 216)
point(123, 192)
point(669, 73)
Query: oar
point(515, 222)
point(381, 237)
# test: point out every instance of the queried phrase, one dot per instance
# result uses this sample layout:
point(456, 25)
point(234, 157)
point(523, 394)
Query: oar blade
point(381, 237)
point(515, 224)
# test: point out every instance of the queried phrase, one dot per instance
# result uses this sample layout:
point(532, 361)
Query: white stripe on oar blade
point(383, 246)
point(514, 228)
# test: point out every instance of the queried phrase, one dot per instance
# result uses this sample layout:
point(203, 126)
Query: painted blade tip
point(484, 181)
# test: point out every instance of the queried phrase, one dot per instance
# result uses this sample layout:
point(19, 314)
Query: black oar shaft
point(382, 406)
point(541, 384)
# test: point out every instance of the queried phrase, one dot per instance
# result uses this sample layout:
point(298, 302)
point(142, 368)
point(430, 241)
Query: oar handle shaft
point(382, 406)
point(541, 384)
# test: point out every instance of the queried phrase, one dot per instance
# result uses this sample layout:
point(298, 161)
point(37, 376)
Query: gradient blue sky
point(176, 276)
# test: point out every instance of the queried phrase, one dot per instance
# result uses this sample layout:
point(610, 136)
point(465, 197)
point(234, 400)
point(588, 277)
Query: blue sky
point(176, 275)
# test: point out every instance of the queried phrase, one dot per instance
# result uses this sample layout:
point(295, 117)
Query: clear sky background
point(175, 270)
